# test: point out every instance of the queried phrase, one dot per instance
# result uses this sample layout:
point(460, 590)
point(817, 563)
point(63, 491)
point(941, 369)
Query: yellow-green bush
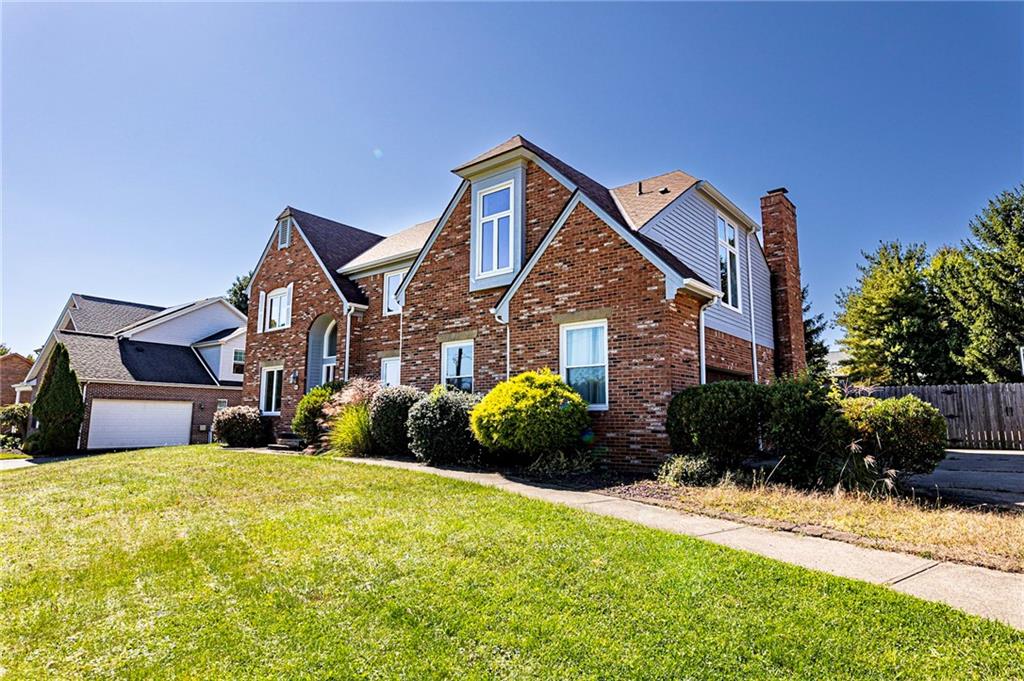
point(531, 415)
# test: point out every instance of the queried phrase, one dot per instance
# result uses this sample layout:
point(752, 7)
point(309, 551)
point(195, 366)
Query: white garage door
point(139, 423)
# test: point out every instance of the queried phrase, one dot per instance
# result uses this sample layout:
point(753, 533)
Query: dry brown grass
point(989, 538)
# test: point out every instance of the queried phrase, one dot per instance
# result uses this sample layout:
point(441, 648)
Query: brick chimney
point(778, 217)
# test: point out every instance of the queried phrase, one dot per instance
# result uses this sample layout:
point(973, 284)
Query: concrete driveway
point(977, 476)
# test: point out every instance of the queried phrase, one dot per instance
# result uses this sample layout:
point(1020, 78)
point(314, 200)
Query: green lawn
point(12, 455)
point(205, 563)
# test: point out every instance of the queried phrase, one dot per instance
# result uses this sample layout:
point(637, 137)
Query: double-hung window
point(391, 282)
point(278, 309)
point(728, 260)
point(238, 362)
point(584, 359)
point(457, 365)
point(330, 358)
point(494, 242)
point(270, 389)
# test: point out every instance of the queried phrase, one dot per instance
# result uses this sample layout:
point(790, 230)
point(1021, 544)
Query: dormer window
point(284, 233)
point(495, 238)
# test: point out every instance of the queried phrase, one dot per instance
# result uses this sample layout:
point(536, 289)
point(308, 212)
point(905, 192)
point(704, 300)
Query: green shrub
point(350, 431)
point(804, 428)
point(439, 427)
point(310, 420)
point(389, 416)
point(14, 420)
point(239, 427)
point(687, 470)
point(32, 443)
point(719, 422)
point(9, 442)
point(904, 436)
point(531, 415)
point(58, 406)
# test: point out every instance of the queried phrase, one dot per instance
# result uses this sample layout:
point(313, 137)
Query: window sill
point(730, 308)
point(277, 328)
point(270, 413)
point(597, 407)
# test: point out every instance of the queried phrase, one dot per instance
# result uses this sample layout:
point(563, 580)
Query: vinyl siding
point(687, 228)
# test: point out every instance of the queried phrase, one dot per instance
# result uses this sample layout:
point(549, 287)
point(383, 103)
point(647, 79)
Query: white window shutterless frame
point(728, 264)
point(583, 354)
point(390, 371)
point(278, 309)
point(495, 221)
point(391, 282)
point(271, 379)
point(330, 354)
point(457, 365)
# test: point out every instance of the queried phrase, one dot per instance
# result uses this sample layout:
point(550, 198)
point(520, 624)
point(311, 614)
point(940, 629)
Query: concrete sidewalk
point(979, 591)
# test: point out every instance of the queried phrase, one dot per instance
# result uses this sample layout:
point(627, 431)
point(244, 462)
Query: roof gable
point(91, 314)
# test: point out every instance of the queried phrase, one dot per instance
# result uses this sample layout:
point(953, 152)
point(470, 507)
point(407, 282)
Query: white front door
point(139, 423)
point(391, 371)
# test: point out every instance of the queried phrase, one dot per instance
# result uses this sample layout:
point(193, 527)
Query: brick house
point(150, 375)
point(13, 368)
point(631, 293)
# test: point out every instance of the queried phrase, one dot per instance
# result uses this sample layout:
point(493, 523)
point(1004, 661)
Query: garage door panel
point(139, 423)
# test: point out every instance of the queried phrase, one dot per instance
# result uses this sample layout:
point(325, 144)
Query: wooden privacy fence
point(981, 416)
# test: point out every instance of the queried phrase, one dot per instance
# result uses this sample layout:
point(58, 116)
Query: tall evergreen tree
point(814, 346)
point(236, 292)
point(984, 288)
point(894, 332)
point(58, 406)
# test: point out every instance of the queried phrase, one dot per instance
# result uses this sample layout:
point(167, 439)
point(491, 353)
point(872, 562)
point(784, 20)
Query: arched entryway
point(322, 357)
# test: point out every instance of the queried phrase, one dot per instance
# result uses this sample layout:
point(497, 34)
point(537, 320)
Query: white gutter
point(508, 351)
point(348, 335)
point(750, 292)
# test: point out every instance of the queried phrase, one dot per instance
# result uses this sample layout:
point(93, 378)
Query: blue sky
point(147, 148)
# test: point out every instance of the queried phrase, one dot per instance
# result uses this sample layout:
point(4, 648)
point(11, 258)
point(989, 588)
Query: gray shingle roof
point(105, 315)
point(99, 357)
point(336, 244)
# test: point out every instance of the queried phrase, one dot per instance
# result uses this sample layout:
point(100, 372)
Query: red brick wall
point(204, 402)
point(13, 368)
point(778, 217)
point(373, 332)
point(313, 295)
point(729, 356)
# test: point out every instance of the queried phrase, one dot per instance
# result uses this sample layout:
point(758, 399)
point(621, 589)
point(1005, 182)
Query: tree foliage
point(237, 295)
point(58, 406)
point(814, 345)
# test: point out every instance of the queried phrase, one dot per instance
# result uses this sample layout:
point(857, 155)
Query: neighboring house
point(13, 368)
point(631, 293)
point(150, 375)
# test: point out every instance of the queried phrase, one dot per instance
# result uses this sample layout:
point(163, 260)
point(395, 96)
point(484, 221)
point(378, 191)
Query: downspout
point(750, 293)
point(348, 336)
point(401, 341)
point(700, 334)
point(81, 428)
point(508, 351)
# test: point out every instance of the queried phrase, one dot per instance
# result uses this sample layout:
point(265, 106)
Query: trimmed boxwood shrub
point(14, 420)
point(309, 421)
point(239, 427)
point(350, 431)
point(719, 422)
point(904, 435)
point(389, 416)
point(439, 427)
point(531, 415)
point(804, 429)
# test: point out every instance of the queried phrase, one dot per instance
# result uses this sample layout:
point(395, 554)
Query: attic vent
point(663, 190)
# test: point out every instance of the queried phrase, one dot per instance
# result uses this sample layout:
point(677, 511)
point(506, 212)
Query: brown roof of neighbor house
point(407, 242)
point(642, 200)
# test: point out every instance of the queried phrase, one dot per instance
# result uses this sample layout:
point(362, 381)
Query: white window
point(584, 359)
point(238, 362)
point(222, 404)
point(494, 242)
point(391, 282)
point(284, 233)
point(457, 365)
point(728, 261)
point(279, 309)
point(330, 356)
point(391, 371)
point(271, 379)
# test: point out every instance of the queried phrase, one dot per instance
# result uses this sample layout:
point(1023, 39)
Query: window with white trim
point(494, 224)
point(278, 309)
point(284, 233)
point(271, 379)
point(584, 359)
point(390, 371)
point(222, 404)
point(457, 365)
point(728, 262)
point(391, 283)
point(330, 354)
point(238, 362)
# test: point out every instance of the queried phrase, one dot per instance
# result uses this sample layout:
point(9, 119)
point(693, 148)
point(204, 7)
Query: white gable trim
point(673, 281)
point(723, 201)
point(189, 308)
point(400, 293)
point(44, 352)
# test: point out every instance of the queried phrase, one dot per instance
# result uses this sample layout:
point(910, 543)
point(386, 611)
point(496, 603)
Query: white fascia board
point(400, 293)
point(199, 386)
point(185, 310)
point(723, 201)
point(701, 289)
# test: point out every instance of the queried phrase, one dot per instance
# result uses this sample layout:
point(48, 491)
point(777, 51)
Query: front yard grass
point(205, 563)
point(12, 455)
point(989, 538)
